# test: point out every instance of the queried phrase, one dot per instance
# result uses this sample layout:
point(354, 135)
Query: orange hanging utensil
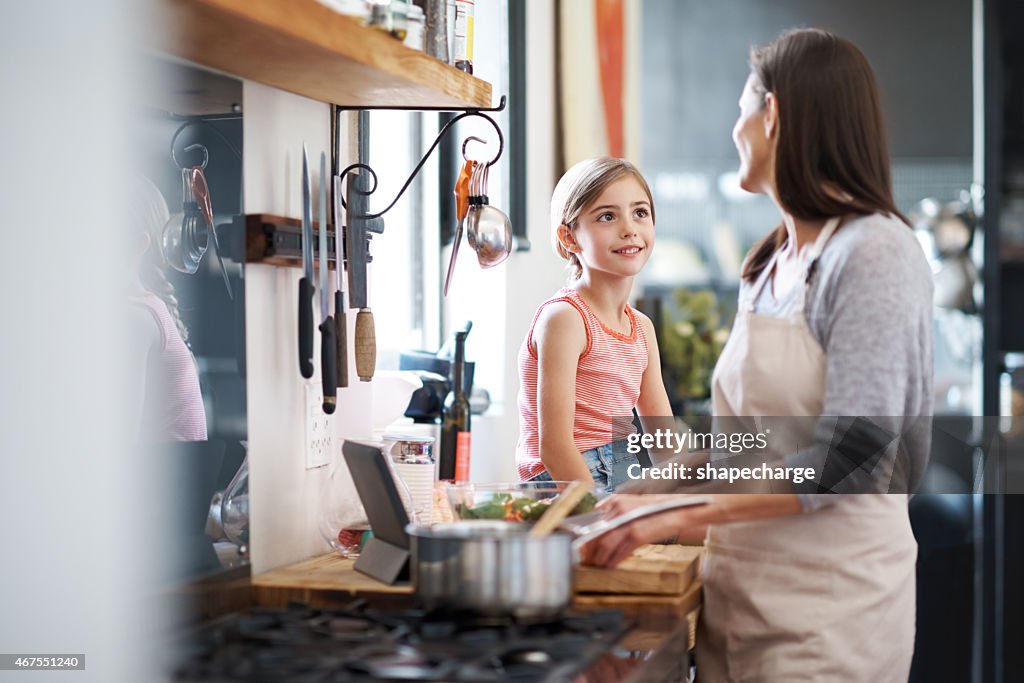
point(461, 209)
point(462, 189)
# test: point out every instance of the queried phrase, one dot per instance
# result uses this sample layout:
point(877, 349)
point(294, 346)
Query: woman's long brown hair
point(831, 154)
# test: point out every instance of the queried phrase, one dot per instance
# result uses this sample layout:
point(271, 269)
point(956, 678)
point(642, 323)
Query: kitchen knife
point(356, 239)
point(339, 294)
point(306, 282)
point(328, 345)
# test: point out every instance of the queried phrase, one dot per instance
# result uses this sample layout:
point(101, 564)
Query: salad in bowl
point(521, 501)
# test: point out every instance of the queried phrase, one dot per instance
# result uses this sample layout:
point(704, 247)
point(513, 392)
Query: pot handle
point(591, 531)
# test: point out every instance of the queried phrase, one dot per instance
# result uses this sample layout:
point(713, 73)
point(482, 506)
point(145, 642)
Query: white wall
point(285, 496)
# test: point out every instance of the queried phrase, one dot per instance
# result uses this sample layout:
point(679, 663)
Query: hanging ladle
point(186, 235)
point(201, 191)
point(475, 202)
point(488, 230)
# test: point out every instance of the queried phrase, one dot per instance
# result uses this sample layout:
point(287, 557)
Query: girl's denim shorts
point(608, 465)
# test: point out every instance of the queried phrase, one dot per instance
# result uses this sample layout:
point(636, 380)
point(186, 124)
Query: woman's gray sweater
point(869, 305)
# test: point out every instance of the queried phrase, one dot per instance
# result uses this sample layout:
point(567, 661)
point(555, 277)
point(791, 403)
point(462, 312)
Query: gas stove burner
point(403, 663)
point(347, 625)
point(359, 643)
point(442, 621)
point(532, 657)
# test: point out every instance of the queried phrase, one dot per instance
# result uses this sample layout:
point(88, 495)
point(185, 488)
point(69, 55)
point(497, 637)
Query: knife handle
point(328, 364)
point(306, 328)
point(342, 338)
point(366, 345)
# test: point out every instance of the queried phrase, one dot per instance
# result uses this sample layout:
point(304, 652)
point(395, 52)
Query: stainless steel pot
point(499, 568)
point(492, 568)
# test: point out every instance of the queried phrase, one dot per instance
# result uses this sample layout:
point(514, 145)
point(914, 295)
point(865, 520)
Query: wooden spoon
point(560, 509)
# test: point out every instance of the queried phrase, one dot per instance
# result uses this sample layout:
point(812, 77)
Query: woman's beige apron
point(827, 595)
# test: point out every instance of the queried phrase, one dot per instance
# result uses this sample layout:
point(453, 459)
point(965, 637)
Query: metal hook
point(437, 140)
point(467, 141)
point(174, 157)
point(206, 155)
point(206, 152)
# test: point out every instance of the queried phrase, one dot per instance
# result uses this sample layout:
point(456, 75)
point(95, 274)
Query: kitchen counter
point(661, 635)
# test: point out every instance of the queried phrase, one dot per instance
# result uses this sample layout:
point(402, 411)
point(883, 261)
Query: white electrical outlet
point(319, 435)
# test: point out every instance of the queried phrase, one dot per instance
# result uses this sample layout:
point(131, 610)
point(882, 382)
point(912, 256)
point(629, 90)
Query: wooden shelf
point(306, 48)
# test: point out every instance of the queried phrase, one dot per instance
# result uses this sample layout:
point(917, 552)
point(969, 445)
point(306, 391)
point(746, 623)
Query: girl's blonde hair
point(577, 189)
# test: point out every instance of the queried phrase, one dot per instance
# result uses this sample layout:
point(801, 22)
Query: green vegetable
point(491, 510)
point(586, 504)
point(529, 509)
point(505, 506)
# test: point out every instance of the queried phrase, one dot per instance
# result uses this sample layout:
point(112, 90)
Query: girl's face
point(752, 135)
point(615, 233)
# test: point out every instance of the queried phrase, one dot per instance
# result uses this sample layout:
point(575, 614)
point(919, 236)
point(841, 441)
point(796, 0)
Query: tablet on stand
point(385, 556)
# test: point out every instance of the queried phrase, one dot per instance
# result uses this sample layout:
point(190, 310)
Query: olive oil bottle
point(455, 439)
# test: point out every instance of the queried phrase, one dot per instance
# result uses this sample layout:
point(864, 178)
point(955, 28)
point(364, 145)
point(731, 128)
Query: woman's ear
point(771, 115)
point(566, 239)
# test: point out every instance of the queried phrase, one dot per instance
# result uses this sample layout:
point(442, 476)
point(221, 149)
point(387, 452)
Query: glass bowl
point(520, 501)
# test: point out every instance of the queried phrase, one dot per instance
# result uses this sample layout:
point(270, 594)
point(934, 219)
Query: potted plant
point(691, 337)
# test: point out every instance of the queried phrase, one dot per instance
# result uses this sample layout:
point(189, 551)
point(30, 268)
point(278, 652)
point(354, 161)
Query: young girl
point(589, 358)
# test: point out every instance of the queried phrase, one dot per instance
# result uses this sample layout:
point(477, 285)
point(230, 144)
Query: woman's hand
point(621, 503)
point(610, 549)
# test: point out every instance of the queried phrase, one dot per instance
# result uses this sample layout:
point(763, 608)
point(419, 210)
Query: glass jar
point(412, 459)
point(343, 523)
point(380, 16)
point(234, 508)
point(399, 18)
point(414, 28)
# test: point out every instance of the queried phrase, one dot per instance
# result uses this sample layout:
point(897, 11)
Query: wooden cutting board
point(329, 581)
point(656, 570)
point(650, 570)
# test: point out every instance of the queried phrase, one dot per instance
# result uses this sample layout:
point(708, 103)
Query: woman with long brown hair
point(835, 320)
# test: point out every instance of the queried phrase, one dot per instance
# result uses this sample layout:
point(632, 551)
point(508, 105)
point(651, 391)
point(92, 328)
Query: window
point(410, 259)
